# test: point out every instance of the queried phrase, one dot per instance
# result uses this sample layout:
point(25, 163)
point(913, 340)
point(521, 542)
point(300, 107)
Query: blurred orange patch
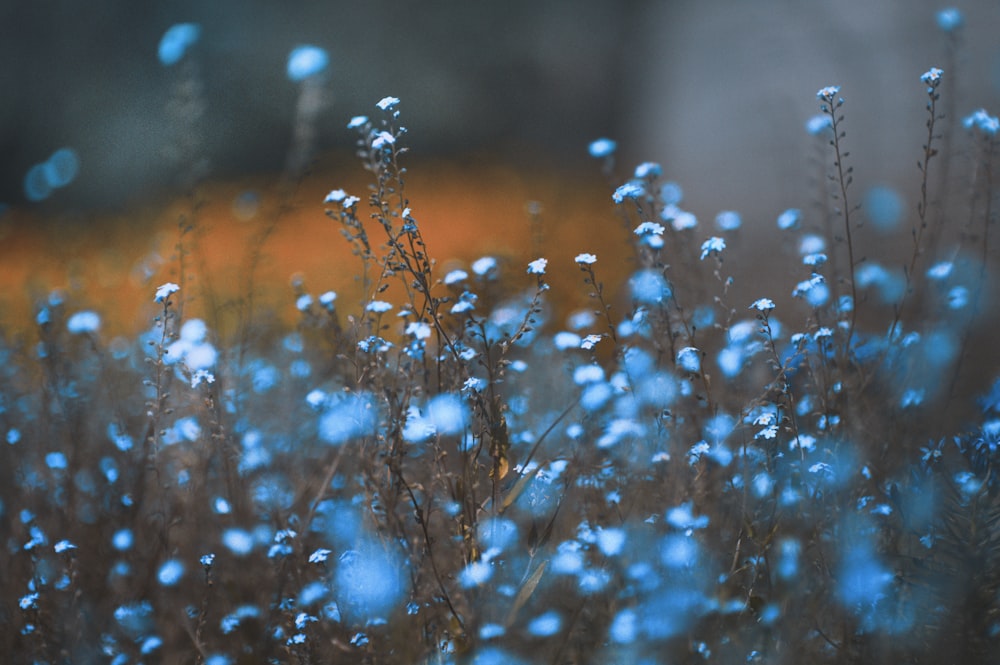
point(113, 263)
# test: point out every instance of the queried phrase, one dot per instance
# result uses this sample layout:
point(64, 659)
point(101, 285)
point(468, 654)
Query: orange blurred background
point(112, 263)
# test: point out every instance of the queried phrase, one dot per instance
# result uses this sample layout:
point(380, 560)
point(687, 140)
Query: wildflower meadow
point(459, 463)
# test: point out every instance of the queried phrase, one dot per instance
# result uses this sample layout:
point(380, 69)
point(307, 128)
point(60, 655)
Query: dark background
point(716, 90)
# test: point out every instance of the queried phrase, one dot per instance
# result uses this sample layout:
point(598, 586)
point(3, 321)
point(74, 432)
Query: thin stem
point(844, 180)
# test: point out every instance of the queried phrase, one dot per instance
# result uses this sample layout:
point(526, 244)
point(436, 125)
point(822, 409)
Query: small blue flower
point(983, 121)
point(84, 322)
point(176, 41)
point(170, 572)
point(789, 219)
point(950, 19)
point(630, 190)
point(728, 220)
point(689, 359)
point(306, 61)
point(828, 94)
point(817, 124)
point(537, 267)
point(932, 77)
point(713, 245)
point(165, 291)
point(602, 148)
point(383, 140)
point(648, 170)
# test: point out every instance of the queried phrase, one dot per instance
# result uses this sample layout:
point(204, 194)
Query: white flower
point(713, 245)
point(418, 329)
point(165, 291)
point(585, 259)
point(378, 306)
point(648, 170)
point(630, 190)
point(357, 121)
point(828, 93)
point(319, 556)
point(537, 267)
point(932, 77)
point(817, 259)
point(649, 228)
point(350, 201)
point(335, 196)
point(462, 306)
point(484, 265)
point(84, 322)
point(455, 276)
point(590, 341)
point(383, 139)
point(473, 384)
point(768, 432)
point(762, 305)
point(689, 359)
point(387, 103)
point(201, 376)
point(63, 546)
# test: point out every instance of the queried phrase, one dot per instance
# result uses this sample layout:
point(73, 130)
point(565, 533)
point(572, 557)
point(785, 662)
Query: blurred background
point(717, 91)
point(101, 138)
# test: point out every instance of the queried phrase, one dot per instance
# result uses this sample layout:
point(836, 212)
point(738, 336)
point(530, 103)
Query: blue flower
point(728, 220)
point(932, 77)
point(537, 267)
point(84, 322)
point(176, 41)
point(713, 245)
point(950, 19)
point(165, 291)
point(170, 572)
point(817, 124)
point(789, 219)
point(630, 190)
point(983, 121)
point(648, 170)
point(602, 148)
point(828, 94)
point(306, 61)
